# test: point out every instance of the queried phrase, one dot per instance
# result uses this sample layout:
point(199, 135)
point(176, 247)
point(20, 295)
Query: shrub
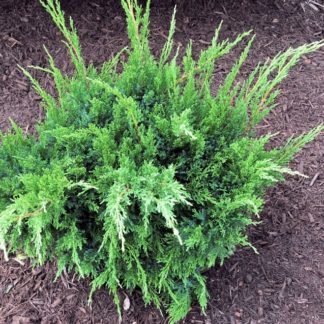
point(144, 179)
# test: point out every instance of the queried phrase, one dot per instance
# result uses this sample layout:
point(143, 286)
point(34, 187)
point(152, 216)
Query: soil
point(284, 282)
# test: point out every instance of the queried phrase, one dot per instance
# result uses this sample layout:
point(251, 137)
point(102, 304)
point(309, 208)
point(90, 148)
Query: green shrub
point(144, 179)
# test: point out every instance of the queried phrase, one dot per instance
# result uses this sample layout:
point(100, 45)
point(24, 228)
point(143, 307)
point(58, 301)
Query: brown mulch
point(284, 282)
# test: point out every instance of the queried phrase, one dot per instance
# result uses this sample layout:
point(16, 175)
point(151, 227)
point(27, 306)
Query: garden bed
point(284, 283)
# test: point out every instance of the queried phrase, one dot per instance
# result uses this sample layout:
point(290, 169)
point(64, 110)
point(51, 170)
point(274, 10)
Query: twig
point(314, 179)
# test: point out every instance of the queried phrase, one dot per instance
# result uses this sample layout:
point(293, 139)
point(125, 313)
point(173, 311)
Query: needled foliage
point(143, 178)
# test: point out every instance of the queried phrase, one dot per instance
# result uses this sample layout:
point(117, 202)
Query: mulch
point(284, 282)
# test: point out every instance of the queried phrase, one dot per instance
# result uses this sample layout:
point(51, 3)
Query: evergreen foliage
point(144, 179)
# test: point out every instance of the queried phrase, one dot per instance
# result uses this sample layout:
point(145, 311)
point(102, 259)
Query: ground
point(284, 282)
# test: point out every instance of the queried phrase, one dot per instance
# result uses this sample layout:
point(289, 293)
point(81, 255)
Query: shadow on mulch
point(284, 283)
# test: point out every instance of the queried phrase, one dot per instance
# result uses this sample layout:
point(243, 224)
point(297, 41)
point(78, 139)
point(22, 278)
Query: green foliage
point(144, 179)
